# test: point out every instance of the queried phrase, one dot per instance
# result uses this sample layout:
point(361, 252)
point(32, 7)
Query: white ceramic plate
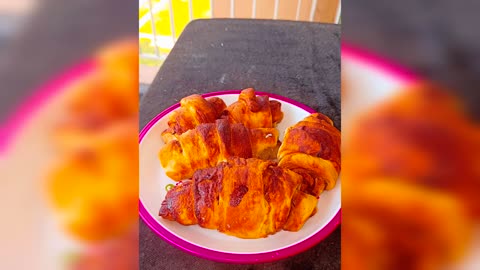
point(212, 244)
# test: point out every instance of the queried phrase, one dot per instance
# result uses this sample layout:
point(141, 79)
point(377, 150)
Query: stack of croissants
point(234, 175)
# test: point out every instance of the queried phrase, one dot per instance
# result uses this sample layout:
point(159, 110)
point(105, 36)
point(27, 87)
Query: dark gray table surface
point(296, 60)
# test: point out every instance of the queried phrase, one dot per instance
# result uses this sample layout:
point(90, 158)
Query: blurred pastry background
point(69, 99)
point(410, 154)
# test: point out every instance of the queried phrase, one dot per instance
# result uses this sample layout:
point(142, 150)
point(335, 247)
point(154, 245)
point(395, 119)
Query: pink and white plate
point(211, 244)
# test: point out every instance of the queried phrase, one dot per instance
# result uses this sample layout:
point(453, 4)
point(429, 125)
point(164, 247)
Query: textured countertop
point(296, 60)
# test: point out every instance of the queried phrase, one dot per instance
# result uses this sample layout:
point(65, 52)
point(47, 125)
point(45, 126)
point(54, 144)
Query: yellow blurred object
point(93, 186)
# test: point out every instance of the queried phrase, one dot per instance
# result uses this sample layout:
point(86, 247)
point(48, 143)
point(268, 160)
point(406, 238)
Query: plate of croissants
point(240, 176)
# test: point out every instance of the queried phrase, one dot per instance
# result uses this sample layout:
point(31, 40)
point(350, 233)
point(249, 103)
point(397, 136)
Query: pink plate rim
point(226, 256)
point(17, 120)
point(380, 63)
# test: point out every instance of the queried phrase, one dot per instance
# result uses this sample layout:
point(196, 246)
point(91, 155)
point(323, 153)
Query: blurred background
point(11, 15)
point(69, 105)
point(44, 37)
point(436, 39)
point(411, 141)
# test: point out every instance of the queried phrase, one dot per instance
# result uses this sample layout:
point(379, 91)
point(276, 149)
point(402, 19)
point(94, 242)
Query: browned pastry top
point(254, 111)
point(210, 143)
point(247, 198)
point(194, 110)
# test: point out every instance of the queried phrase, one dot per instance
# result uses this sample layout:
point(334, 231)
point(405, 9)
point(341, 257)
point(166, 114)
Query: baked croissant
point(210, 143)
point(311, 148)
point(254, 111)
point(246, 198)
point(194, 110)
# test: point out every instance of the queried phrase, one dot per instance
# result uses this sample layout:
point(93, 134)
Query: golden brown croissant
point(194, 110)
point(254, 111)
point(210, 143)
point(311, 148)
point(246, 198)
point(303, 207)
